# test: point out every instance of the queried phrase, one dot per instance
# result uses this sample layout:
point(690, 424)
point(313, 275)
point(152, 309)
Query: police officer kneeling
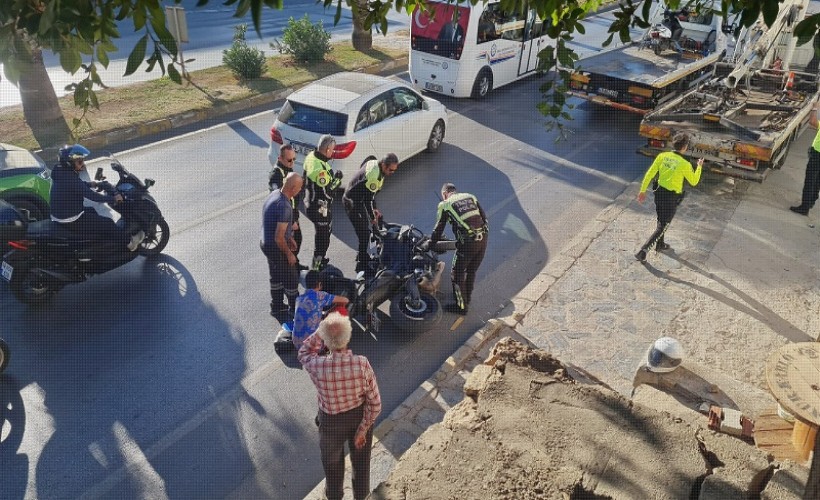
point(469, 223)
point(360, 201)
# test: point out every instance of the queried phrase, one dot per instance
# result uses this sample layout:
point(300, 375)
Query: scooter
point(45, 256)
point(5, 355)
point(660, 36)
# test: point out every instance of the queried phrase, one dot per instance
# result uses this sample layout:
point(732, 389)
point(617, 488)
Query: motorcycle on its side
point(406, 271)
point(45, 256)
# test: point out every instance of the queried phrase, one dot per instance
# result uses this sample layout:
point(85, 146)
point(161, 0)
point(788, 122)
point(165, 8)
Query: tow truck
point(743, 120)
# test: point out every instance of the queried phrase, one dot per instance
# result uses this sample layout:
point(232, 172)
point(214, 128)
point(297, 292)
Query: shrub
point(245, 62)
point(305, 41)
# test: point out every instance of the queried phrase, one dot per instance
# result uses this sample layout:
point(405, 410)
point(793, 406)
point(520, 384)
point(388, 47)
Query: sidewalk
point(742, 281)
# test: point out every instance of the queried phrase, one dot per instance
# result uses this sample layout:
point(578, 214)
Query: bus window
point(507, 26)
point(443, 34)
point(486, 27)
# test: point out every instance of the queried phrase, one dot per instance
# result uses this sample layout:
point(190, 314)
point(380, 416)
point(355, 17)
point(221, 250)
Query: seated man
point(68, 192)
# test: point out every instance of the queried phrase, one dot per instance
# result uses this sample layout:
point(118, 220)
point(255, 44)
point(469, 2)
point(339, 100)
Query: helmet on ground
point(69, 153)
point(665, 355)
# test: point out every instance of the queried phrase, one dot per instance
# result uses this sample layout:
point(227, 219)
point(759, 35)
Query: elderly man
point(349, 403)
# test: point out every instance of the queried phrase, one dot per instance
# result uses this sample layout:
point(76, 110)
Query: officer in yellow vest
point(360, 201)
point(811, 184)
point(671, 169)
point(469, 223)
point(320, 182)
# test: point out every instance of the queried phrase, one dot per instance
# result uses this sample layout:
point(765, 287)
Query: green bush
point(305, 41)
point(245, 62)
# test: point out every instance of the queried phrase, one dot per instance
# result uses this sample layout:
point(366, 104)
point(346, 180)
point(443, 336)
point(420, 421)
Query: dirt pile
point(526, 430)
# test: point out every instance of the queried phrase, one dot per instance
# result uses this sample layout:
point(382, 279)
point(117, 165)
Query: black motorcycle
point(45, 256)
point(5, 354)
point(404, 270)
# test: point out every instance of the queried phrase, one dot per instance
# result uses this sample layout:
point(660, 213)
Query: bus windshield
point(440, 33)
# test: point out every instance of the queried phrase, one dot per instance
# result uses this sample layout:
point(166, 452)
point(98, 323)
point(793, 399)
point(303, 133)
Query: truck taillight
point(747, 163)
point(342, 151)
point(275, 136)
point(655, 143)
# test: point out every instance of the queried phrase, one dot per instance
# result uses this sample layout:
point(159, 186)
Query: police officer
point(469, 223)
point(284, 166)
point(360, 201)
point(320, 181)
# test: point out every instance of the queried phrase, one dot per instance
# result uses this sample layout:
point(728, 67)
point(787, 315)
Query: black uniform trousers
point(811, 185)
point(323, 225)
point(334, 432)
point(666, 204)
point(362, 226)
point(469, 254)
point(92, 225)
point(284, 279)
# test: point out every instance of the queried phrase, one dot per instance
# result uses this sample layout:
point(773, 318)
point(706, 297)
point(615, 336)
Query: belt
point(474, 235)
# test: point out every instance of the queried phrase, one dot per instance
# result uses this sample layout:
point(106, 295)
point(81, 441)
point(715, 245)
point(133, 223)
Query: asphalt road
point(160, 379)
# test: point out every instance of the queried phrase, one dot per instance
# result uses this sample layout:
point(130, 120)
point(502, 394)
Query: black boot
point(800, 209)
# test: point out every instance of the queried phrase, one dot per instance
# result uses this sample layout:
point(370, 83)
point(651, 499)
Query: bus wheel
point(483, 84)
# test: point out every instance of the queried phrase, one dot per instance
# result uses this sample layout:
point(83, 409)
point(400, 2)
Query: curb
point(401, 418)
point(141, 130)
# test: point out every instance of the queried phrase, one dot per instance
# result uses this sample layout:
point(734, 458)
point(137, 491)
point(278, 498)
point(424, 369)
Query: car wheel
point(436, 137)
point(483, 84)
point(23, 206)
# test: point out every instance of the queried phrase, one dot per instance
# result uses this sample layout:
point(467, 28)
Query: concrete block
point(537, 287)
point(787, 483)
point(478, 379)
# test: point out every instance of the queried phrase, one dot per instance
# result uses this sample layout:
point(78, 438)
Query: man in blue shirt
point(67, 193)
point(279, 247)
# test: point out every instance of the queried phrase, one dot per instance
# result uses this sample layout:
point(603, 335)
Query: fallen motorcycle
point(45, 256)
point(5, 355)
point(405, 270)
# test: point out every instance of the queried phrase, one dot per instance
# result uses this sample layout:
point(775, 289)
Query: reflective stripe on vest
point(373, 178)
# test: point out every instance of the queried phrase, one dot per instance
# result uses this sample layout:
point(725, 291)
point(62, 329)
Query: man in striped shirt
point(349, 403)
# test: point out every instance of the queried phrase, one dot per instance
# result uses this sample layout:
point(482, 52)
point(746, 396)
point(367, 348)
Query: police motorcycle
point(5, 355)
point(45, 256)
point(405, 270)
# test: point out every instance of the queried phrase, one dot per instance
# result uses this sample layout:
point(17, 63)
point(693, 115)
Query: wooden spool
point(793, 375)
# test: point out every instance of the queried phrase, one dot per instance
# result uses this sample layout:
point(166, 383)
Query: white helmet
point(664, 356)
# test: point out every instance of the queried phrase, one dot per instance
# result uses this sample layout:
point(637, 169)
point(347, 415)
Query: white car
point(368, 115)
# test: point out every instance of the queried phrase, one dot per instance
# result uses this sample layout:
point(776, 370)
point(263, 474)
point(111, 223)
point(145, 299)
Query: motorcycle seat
point(54, 232)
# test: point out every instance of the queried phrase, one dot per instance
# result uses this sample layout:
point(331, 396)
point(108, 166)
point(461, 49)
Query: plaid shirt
point(343, 381)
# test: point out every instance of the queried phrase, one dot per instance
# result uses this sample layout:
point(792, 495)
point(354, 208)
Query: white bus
point(477, 49)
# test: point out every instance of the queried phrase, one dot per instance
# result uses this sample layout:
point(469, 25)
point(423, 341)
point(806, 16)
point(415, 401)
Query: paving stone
point(427, 417)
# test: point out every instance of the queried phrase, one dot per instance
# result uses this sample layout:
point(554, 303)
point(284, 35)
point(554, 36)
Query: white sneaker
point(136, 240)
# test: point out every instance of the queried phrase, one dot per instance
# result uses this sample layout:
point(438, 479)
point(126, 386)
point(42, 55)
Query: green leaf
point(770, 10)
point(70, 59)
point(93, 97)
point(102, 56)
point(173, 74)
point(80, 95)
point(338, 13)
point(136, 56)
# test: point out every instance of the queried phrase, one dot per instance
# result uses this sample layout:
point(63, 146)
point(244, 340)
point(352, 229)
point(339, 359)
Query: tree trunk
point(40, 106)
point(362, 38)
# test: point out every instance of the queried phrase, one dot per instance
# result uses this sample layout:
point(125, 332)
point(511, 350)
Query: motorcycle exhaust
point(432, 286)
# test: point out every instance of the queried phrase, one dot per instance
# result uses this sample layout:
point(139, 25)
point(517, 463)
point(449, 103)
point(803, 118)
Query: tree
point(83, 33)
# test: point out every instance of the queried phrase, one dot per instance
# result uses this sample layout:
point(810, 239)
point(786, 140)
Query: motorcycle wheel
point(415, 320)
point(5, 355)
point(155, 240)
point(33, 288)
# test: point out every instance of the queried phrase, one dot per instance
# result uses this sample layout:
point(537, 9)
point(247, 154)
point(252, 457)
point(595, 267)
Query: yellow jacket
point(671, 168)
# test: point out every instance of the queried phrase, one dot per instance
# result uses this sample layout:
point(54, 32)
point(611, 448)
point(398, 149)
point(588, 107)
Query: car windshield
point(15, 158)
point(320, 121)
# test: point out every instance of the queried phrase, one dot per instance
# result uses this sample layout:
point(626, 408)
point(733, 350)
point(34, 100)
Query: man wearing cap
point(360, 201)
point(470, 227)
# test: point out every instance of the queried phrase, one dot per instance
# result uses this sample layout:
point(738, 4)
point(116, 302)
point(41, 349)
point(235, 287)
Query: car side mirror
point(425, 105)
point(99, 175)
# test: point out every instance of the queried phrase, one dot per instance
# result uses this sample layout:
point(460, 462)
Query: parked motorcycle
point(661, 37)
point(45, 256)
point(5, 355)
point(404, 270)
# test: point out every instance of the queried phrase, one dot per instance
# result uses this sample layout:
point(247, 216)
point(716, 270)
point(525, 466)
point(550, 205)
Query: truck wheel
point(483, 84)
point(5, 355)
point(415, 319)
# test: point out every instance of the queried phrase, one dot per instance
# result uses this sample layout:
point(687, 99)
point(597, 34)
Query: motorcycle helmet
point(69, 153)
point(664, 356)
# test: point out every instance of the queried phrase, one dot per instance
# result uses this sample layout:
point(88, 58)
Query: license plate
point(433, 86)
point(301, 149)
point(6, 271)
